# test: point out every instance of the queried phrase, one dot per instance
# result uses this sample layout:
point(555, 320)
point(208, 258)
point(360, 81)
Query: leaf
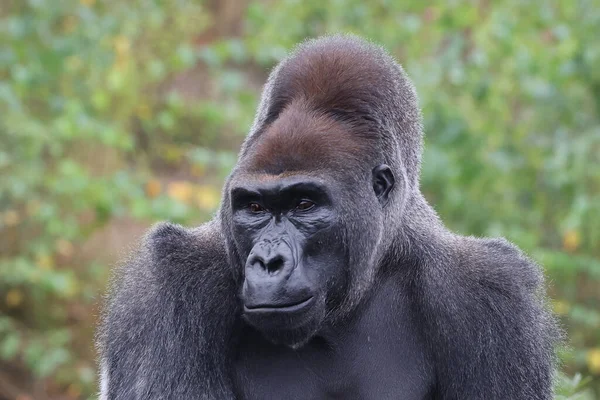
point(9, 347)
point(207, 197)
point(180, 191)
point(14, 298)
point(153, 188)
point(593, 360)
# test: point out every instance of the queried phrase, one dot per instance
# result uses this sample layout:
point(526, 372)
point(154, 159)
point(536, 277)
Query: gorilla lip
point(284, 308)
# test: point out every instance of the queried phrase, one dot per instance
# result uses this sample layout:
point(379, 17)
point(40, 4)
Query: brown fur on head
point(329, 78)
point(355, 83)
point(305, 139)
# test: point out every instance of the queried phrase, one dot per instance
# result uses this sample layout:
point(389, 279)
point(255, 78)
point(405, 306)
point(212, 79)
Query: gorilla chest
point(362, 367)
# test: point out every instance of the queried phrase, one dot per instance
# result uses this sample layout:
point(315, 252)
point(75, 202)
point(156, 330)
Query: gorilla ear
point(383, 182)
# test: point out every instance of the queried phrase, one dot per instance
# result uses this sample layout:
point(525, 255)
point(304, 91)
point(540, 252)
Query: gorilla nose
point(271, 262)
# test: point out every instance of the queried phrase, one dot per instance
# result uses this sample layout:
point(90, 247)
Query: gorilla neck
point(376, 314)
point(418, 235)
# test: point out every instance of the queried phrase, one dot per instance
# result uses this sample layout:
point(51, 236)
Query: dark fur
point(171, 321)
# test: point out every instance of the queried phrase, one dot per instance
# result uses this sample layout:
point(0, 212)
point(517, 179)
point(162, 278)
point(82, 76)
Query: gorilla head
point(312, 209)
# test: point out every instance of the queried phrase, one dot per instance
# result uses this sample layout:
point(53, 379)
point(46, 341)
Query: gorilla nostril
point(275, 265)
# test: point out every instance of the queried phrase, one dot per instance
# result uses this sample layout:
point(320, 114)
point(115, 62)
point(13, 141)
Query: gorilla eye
point(305, 205)
point(256, 208)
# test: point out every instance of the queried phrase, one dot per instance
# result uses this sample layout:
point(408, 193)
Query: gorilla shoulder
point(173, 246)
point(496, 260)
point(175, 293)
point(169, 249)
point(487, 308)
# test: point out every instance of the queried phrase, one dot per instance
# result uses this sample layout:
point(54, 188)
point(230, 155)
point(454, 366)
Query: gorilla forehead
point(301, 139)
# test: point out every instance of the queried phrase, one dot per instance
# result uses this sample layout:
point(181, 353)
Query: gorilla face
point(287, 227)
point(297, 265)
point(303, 219)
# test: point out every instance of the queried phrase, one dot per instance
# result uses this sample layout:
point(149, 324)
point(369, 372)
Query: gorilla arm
point(166, 332)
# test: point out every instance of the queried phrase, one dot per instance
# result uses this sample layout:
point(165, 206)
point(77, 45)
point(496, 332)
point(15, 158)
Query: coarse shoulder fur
point(486, 321)
point(176, 296)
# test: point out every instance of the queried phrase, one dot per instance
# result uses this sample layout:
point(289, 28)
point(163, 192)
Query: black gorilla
point(326, 274)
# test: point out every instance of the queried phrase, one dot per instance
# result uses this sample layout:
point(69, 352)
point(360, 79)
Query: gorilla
point(326, 274)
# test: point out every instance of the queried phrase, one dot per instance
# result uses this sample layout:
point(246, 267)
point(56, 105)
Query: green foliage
point(115, 110)
point(573, 388)
point(79, 82)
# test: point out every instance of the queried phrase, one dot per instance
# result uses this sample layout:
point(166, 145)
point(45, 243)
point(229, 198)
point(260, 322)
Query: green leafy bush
point(80, 87)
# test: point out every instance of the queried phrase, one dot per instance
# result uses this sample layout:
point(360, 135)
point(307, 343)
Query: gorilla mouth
point(282, 308)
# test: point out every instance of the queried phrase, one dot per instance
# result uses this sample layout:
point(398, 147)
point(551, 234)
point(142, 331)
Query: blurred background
point(116, 114)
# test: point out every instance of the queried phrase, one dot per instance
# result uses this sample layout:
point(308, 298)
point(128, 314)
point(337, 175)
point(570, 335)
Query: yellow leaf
point(87, 3)
point(153, 188)
point(45, 262)
point(69, 24)
point(122, 45)
point(207, 197)
point(593, 360)
point(181, 191)
point(571, 240)
point(173, 154)
point(561, 307)
point(14, 298)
